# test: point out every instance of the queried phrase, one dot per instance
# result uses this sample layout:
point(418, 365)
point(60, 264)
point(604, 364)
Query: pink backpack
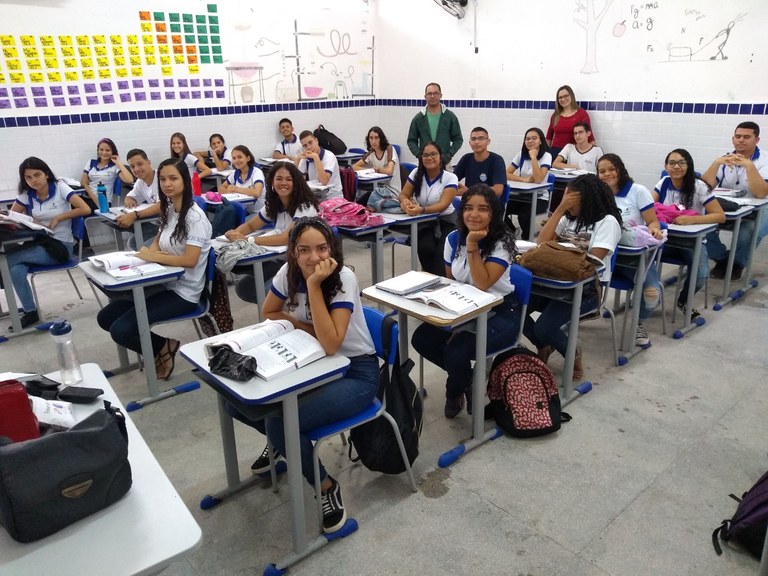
point(341, 212)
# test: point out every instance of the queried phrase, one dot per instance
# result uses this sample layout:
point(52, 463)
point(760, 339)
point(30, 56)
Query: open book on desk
point(23, 221)
point(568, 171)
point(277, 347)
point(455, 297)
point(125, 265)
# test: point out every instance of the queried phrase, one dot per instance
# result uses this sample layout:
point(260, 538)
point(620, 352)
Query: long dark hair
point(181, 231)
point(543, 149)
point(34, 163)
point(421, 171)
point(244, 150)
point(688, 189)
point(618, 163)
point(497, 230)
point(183, 139)
point(559, 108)
point(302, 195)
point(331, 285)
point(597, 201)
point(383, 142)
point(109, 143)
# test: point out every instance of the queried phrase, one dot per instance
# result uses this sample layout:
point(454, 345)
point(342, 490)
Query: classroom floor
point(634, 485)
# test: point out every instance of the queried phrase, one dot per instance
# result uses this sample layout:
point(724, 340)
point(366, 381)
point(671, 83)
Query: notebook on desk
point(407, 283)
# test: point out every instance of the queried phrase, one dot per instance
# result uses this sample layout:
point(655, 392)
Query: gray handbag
point(48, 483)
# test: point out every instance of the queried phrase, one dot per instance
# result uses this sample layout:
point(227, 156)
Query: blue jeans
point(686, 256)
point(19, 262)
point(430, 248)
point(332, 402)
point(547, 330)
point(718, 251)
point(455, 351)
point(119, 318)
point(647, 307)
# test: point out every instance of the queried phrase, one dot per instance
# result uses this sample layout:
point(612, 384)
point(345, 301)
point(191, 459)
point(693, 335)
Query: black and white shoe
point(261, 465)
point(334, 515)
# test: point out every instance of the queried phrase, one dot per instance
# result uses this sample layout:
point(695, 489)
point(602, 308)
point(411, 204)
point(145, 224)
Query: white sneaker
point(641, 336)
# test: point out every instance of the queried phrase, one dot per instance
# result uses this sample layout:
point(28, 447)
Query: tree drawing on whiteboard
point(590, 23)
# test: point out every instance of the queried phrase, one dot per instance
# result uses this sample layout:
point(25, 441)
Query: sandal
point(544, 352)
point(165, 361)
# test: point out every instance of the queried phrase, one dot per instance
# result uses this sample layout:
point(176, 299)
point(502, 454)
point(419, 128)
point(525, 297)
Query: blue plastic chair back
point(522, 279)
point(505, 195)
point(201, 203)
point(410, 166)
point(117, 189)
point(382, 327)
point(397, 149)
point(240, 211)
point(551, 181)
point(78, 227)
point(210, 270)
point(356, 151)
point(456, 202)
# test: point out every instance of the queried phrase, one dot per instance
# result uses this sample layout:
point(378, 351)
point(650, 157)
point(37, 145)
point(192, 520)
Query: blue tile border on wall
point(745, 109)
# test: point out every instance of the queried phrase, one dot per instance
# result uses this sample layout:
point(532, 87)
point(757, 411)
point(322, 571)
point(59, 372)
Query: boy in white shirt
point(580, 156)
point(320, 165)
point(289, 147)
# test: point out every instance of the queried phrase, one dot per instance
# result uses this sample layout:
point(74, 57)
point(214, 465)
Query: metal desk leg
point(570, 350)
point(258, 277)
point(479, 435)
point(402, 325)
point(293, 456)
point(140, 306)
point(688, 326)
point(414, 245)
point(13, 307)
point(749, 284)
point(138, 234)
point(731, 257)
point(637, 298)
point(377, 257)
point(534, 202)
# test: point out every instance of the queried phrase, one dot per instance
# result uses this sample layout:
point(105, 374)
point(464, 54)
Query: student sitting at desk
point(106, 168)
point(636, 205)
point(287, 199)
point(583, 155)
point(478, 253)
point(320, 165)
point(180, 149)
point(247, 178)
point(318, 294)
point(745, 168)
point(184, 240)
point(532, 164)
point(53, 204)
point(430, 190)
point(588, 216)
point(682, 187)
point(382, 157)
point(481, 166)
point(289, 148)
point(144, 192)
point(218, 153)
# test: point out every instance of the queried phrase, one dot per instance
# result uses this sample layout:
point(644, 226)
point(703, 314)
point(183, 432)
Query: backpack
point(374, 441)
point(523, 394)
point(340, 212)
point(226, 218)
point(329, 140)
point(348, 183)
point(553, 260)
point(749, 523)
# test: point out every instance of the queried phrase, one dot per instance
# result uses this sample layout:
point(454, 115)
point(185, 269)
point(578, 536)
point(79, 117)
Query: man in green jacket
point(435, 123)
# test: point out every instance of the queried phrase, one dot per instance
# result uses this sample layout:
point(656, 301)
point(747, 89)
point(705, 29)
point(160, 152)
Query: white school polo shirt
point(145, 193)
point(371, 160)
point(584, 160)
point(432, 190)
point(669, 195)
point(632, 200)
point(525, 169)
point(331, 166)
point(455, 256)
point(357, 340)
point(284, 219)
point(57, 203)
point(226, 156)
point(191, 161)
point(254, 176)
point(292, 148)
point(735, 177)
point(605, 233)
point(107, 176)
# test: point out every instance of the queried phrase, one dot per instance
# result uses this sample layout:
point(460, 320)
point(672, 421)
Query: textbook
point(277, 347)
point(23, 220)
point(455, 297)
point(411, 281)
point(116, 260)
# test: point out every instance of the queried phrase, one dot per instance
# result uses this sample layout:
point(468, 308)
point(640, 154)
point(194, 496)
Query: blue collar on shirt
point(238, 175)
point(32, 194)
point(290, 141)
point(437, 179)
point(320, 155)
point(95, 164)
point(625, 190)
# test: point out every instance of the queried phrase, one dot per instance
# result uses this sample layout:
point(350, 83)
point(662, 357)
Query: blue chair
point(410, 166)
point(78, 231)
point(356, 151)
point(201, 203)
point(204, 305)
point(397, 149)
point(384, 333)
point(117, 192)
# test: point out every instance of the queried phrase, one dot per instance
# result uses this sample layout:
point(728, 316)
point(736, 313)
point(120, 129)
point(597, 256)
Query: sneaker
point(27, 319)
point(453, 406)
point(261, 465)
point(718, 272)
point(334, 515)
point(694, 313)
point(736, 271)
point(641, 336)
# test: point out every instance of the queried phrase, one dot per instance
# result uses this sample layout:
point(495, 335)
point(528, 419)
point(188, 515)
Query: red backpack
point(348, 183)
point(523, 394)
point(341, 212)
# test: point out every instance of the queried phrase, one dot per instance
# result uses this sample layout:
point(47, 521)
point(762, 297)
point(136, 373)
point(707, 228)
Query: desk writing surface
point(690, 229)
point(142, 533)
point(105, 280)
point(513, 185)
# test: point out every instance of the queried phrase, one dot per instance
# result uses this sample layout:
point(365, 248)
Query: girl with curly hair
point(588, 217)
point(479, 253)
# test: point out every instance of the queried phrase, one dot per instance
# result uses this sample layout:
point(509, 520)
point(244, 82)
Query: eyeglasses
point(681, 163)
point(478, 138)
point(430, 155)
point(432, 94)
point(531, 138)
point(564, 96)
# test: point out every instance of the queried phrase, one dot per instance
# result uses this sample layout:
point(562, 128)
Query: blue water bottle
point(101, 193)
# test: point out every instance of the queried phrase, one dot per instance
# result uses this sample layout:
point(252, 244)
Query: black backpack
point(329, 140)
point(523, 393)
point(749, 523)
point(374, 441)
point(225, 219)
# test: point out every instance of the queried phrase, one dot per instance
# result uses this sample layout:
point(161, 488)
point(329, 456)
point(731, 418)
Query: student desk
point(136, 286)
point(448, 320)
point(567, 290)
point(364, 233)
point(109, 219)
point(348, 158)
point(532, 189)
point(372, 177)
point(232, 197)
point(143, 533)
point(257, 261)
point(757, 206)
point(218, 176)
point(412, 221)
point(683, 236)
point(562, 177)
point(5, 273)
point(257, 392)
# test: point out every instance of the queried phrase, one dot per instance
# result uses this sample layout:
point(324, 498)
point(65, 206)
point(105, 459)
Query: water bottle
point(197, 188)
point(101, 192)
point(69, 365)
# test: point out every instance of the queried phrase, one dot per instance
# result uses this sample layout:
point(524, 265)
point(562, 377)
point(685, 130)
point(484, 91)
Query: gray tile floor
point(634, 485)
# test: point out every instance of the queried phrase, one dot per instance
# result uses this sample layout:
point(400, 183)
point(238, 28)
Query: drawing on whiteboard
point(339, 89)
point(340, 44)
point(687, 53)
point(591, 23)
